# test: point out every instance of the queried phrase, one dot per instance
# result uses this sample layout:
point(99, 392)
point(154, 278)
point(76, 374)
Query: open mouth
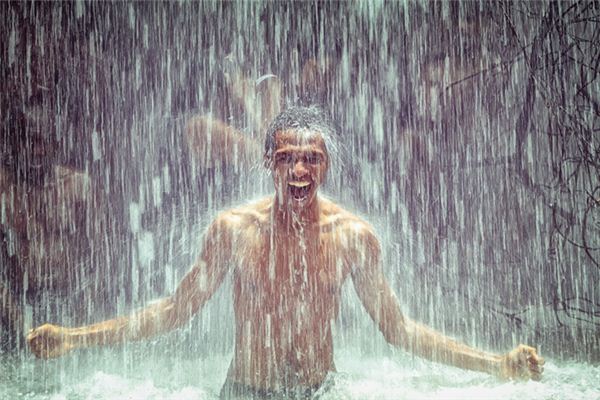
point(299, 190)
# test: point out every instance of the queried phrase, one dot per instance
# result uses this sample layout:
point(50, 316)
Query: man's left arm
point(383, 307)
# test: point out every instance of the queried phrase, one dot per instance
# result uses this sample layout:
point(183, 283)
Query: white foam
point(395, 377)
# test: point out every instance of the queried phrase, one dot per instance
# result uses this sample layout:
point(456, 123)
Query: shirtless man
point(289, 255)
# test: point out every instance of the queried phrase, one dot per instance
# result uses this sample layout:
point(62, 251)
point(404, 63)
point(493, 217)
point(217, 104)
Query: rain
point(465, 134)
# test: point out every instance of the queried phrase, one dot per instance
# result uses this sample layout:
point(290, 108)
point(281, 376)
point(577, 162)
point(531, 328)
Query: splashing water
point(363, 377)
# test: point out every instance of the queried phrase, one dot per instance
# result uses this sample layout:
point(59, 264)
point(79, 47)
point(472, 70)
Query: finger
point(38, 348)
point(536, 376)
point(34, 345)
point(534, 358)
point(541, 361)
point(535, 368)
point(45, 350)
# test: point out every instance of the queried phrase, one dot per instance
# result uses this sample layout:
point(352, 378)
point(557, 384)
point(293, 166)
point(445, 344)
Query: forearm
point(384, 308)
point(427, 343)
point(155, 319)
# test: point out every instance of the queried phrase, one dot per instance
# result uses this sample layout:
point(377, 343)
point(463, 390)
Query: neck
point(289, 220)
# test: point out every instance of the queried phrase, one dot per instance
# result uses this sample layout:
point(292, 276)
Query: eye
point(313, 158)
point(283, 158)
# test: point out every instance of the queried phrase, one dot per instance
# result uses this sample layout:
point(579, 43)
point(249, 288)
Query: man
point(289, 255)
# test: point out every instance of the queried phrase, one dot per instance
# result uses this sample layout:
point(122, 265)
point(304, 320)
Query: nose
point(299, 169)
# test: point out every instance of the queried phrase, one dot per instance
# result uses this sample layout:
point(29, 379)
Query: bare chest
point(280, 276)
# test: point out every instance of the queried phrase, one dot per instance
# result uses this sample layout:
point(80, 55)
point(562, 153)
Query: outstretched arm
point(383, 307)
point(49, 341)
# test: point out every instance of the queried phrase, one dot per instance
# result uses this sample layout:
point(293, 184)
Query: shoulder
point(252, 214)
point(349, 227)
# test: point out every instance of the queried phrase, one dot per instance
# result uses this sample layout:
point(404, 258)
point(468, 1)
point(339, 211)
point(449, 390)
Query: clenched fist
point(522, 363)
point(49, 341)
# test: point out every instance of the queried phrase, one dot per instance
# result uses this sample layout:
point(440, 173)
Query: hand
point(522, 363)
point(49, 341)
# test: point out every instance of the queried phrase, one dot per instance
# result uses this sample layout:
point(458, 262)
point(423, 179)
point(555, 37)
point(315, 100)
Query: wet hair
point(310, 119)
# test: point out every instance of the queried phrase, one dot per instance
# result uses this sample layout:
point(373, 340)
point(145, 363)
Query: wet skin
point(289, 255)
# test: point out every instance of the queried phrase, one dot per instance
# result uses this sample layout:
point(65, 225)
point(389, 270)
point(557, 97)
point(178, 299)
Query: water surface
point(111, 374)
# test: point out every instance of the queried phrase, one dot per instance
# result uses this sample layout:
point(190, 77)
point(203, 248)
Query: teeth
point(299, 184)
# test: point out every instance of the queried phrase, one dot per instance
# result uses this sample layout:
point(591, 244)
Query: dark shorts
point(237, 391)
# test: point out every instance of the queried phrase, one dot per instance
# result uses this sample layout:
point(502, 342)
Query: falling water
point(468, 139)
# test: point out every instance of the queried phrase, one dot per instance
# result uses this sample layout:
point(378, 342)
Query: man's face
point(299, 166)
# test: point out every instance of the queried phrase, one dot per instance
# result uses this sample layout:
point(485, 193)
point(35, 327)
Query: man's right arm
point(49, 341)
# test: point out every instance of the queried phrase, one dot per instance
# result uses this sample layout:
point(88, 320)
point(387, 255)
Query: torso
point(286, 294)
